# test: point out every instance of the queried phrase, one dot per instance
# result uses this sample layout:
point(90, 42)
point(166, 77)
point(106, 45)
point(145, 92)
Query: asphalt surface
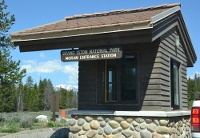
point(40, 133)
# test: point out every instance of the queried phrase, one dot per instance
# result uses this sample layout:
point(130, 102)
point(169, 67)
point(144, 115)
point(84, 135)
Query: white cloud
point(42, 67)
point(192, 77)
point(33, 62)
point(73, 68)
point(73, 71)
point(32, 66)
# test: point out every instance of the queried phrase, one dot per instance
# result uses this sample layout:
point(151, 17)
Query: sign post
point(54, 104)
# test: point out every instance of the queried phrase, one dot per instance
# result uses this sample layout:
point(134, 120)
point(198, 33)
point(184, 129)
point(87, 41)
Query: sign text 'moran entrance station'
point(132, 69)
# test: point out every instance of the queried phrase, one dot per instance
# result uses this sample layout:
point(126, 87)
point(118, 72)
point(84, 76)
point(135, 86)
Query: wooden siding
point(169, 52)
point(149, 88)
point(87, 84)
point(149, 80)
point(153, 77)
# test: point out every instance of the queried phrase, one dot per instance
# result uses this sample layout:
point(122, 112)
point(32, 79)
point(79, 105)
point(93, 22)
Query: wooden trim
point(105, 81)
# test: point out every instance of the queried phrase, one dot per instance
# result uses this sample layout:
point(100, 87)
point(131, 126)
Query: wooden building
point(151, 75)
point(132, 70)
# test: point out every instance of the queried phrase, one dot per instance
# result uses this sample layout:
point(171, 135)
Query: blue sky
point(47, 64)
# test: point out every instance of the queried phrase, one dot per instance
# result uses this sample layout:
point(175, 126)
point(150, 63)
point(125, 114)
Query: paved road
point(40, 133)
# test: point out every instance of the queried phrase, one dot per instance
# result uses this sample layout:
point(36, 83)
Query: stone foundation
point(112, 126)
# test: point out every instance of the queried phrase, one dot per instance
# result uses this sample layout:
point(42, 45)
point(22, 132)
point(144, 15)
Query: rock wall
point(129, 127)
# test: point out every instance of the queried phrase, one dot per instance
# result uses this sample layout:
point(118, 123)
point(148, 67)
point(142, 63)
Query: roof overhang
point(83, 32)
point(89, 40)
point(145, 31)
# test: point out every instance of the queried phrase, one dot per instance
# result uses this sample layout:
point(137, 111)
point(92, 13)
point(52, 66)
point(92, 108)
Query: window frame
point(101, 99)
point(176, 63)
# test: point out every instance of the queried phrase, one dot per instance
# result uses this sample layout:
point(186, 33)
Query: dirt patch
point(39, 133)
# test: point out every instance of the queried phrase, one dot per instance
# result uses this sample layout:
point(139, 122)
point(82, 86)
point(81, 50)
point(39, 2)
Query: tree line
point(193, 86)
point(36, 97)
point(14, 95)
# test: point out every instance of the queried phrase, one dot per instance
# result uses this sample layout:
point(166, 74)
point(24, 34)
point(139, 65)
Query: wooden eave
point(97, 40)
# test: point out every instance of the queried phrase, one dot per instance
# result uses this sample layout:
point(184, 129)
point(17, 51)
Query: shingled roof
point(146, 24)
point(98, 20)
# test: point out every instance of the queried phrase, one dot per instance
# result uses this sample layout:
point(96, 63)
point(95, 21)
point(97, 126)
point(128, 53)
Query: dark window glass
point(128, 78)
point(175, 85)
point(111, 80)
point(119, 80)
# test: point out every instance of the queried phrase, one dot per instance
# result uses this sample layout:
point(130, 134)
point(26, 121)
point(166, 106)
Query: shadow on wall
point(61, 133)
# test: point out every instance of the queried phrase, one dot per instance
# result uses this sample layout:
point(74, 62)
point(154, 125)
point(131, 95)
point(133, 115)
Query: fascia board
point(191, 47)
point(182, 27)
point(164, 14)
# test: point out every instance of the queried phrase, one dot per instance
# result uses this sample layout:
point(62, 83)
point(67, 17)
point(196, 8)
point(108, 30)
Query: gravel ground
point(40, 133)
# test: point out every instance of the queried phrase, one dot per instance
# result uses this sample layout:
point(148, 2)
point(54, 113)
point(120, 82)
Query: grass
point(18, 121)
point(63, 121)
point(12, 129)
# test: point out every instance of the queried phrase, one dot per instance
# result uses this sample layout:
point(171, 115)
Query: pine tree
point(75, 100)
point(190, 89)
point(69, 98)
point(63, 98)
point(34, 99)
point(193, 86)
point(10, 73)
point(42, 85)
point(20, 97)
point(48, 91)
point(28, 88)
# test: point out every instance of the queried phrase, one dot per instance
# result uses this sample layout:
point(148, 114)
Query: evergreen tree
point(190, 89)
point(33, 105)
point(75, 100)
point(28, 89)
point(48, 91)
point(20, 97)
point(10, 73)
point(63, 98)
point(42, 85)
point(69, 98)
point(193, 86)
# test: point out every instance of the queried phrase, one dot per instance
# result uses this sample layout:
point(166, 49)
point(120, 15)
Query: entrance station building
point(132, 70)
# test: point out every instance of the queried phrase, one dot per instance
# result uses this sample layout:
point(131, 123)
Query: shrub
point(50, 124)
point(16, 120)
point(26, 122)
point(36, 120)
point(63, 121)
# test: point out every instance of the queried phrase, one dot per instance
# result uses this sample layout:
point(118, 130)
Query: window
point(175, 98)
point(119, 80)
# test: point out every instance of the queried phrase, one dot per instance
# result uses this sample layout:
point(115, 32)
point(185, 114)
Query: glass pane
point(128, 78)
point(103, 77)
point(176, 84)
point(110, 76)
point(111, 80)
point(110, 93)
